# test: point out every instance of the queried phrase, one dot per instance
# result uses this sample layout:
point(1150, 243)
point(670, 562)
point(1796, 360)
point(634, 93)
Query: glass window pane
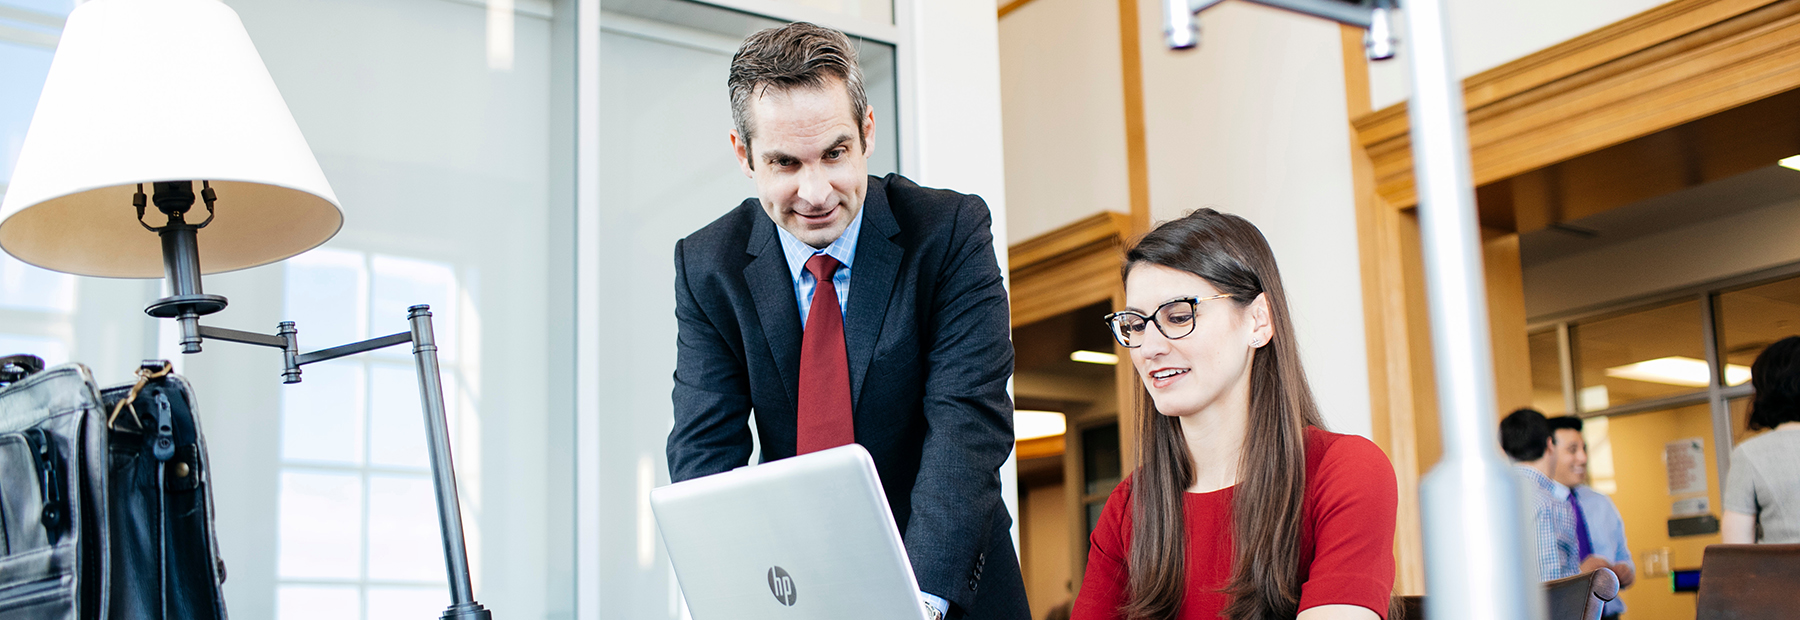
point(1631, 449)
point(1646, 354)
point(404, 544)
point(322, 416)
point(396, 421)
point(321, 525)
point(1546, 374)
point(1100, 459)
point(1754, 318)
point(871, 10)
point(52, 7)
point(326, 297)
point(22, 69)
point(26, 287)
point(1740, 421)
point(53, 351)
point(401, 283)
point(404, 602)
point(311, 602)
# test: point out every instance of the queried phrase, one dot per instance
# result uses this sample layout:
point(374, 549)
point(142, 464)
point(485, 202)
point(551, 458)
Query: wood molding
point(1014, 5)
point(1040, 447)
point(1673, 64)
point(1137, 158)
point(1071, 267)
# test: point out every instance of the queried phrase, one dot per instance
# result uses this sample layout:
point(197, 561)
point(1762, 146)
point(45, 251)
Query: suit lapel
point(871, 284)
point(772, 286)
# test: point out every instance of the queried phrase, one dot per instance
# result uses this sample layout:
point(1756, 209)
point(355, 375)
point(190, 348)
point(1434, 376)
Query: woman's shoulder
point(1773, 444)
point(1333, 457)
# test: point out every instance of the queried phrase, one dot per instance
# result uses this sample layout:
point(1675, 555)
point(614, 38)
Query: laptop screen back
point(804, 538)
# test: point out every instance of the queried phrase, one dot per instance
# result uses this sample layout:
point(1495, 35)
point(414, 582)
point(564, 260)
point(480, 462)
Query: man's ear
point(868, 137)
point(741, 148)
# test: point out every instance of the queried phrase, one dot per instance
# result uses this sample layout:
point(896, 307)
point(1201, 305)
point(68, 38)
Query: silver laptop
point(803, 538)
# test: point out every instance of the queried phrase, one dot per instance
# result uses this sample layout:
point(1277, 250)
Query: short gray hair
point(797, 55)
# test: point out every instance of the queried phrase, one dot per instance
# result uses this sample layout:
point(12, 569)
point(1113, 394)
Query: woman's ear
point(1261, 327)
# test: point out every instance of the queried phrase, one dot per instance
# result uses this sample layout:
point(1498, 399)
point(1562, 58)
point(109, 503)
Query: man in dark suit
point(842, 307)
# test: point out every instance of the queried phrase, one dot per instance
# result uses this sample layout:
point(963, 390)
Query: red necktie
point(824, 410)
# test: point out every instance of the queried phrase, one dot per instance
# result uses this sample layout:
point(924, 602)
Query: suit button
point(971, 584)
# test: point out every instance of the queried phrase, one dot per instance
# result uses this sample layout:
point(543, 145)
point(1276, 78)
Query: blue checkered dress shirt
point(1552, 525)
point(797, 252)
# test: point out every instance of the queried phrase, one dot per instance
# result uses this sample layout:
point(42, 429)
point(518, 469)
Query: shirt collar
point(1544, 482)
point(797, 251)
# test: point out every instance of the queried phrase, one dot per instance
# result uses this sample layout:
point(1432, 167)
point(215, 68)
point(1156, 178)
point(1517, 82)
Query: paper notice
point(1686, 462)
point(1690, 507)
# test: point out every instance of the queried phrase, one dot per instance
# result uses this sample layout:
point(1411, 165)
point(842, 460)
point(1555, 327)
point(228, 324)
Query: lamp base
point(174, 306)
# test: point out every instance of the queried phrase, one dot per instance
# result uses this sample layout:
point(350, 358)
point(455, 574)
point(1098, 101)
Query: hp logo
point(782, 586)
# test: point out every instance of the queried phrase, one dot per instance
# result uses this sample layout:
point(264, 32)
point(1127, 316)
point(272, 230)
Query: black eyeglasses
point(1174, 319)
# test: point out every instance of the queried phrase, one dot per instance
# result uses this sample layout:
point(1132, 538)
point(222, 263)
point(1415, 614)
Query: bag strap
point(146, 372)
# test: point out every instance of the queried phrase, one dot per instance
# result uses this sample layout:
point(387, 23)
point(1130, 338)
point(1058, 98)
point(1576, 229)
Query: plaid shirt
point(1552, 525)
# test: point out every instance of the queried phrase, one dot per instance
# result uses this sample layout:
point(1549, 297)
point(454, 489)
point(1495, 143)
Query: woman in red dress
point(1243, 505)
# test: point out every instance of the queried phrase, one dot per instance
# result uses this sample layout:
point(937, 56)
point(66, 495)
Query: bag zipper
point(50, 481)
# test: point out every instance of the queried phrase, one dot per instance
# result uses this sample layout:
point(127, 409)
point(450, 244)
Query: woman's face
point(1210, 366)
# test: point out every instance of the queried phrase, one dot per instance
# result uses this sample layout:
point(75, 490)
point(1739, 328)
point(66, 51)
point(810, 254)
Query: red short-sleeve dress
point(1346, 539)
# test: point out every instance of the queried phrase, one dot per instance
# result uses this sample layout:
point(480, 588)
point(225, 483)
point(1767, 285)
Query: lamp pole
point(181, 264)
point(1475, 551)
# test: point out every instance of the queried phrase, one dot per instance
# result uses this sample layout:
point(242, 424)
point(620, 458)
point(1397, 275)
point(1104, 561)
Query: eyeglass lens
point(1174, 319)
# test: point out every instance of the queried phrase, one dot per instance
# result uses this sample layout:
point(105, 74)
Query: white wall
point(1064, 114)
point(954, 51)
point(1484, 34)
point(1714, 250)
point(1253, 122)
point(955, 63)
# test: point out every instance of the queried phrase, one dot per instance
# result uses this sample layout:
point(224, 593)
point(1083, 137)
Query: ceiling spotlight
point(1028, 424)
point(1677, 370)
point(1095, 357)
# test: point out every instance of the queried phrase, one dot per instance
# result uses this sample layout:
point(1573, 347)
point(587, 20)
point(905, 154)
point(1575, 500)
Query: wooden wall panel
point(1066, 269)
point(1679, 62)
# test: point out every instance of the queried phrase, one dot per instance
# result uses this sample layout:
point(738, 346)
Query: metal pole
point(1475, 539)
point(431, 395)
point(1711, 328)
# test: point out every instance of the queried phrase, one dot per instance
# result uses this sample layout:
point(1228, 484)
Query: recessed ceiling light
point(1791, 162)
point(1095, 357)
point(1028, 424)
point(1677, 370)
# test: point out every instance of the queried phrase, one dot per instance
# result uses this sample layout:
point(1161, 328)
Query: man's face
point(810, 168)
point(1571, 457)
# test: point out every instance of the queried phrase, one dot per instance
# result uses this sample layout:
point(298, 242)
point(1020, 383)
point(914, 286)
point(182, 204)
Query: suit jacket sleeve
point(956, 506)
point(712, 391)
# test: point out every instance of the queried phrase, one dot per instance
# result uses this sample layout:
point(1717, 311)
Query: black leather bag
point(104, 500)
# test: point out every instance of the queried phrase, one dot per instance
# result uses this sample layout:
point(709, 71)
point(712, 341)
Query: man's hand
point(1594, 562)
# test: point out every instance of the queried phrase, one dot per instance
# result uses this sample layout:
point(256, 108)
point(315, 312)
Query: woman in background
point(1763, 485)
point(1243, 505)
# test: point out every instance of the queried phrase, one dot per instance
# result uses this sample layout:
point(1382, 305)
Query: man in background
point(840, 308)
point(1525, 436)
point(1599, 532)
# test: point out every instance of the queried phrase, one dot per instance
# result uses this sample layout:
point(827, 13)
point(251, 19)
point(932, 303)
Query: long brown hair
point(1232, 255)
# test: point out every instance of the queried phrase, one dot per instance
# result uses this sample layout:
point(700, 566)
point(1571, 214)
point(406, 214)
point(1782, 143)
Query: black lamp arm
point(431, 394)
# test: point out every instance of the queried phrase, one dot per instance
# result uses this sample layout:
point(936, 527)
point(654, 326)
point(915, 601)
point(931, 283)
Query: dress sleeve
point(1740, 487)
point(1353, 522)
point(1106, 585)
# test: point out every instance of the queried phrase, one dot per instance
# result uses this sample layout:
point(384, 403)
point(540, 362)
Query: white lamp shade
point(161, 90)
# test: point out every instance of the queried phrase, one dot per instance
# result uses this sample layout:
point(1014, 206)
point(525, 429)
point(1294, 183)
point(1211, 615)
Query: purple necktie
point(1583, 545)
